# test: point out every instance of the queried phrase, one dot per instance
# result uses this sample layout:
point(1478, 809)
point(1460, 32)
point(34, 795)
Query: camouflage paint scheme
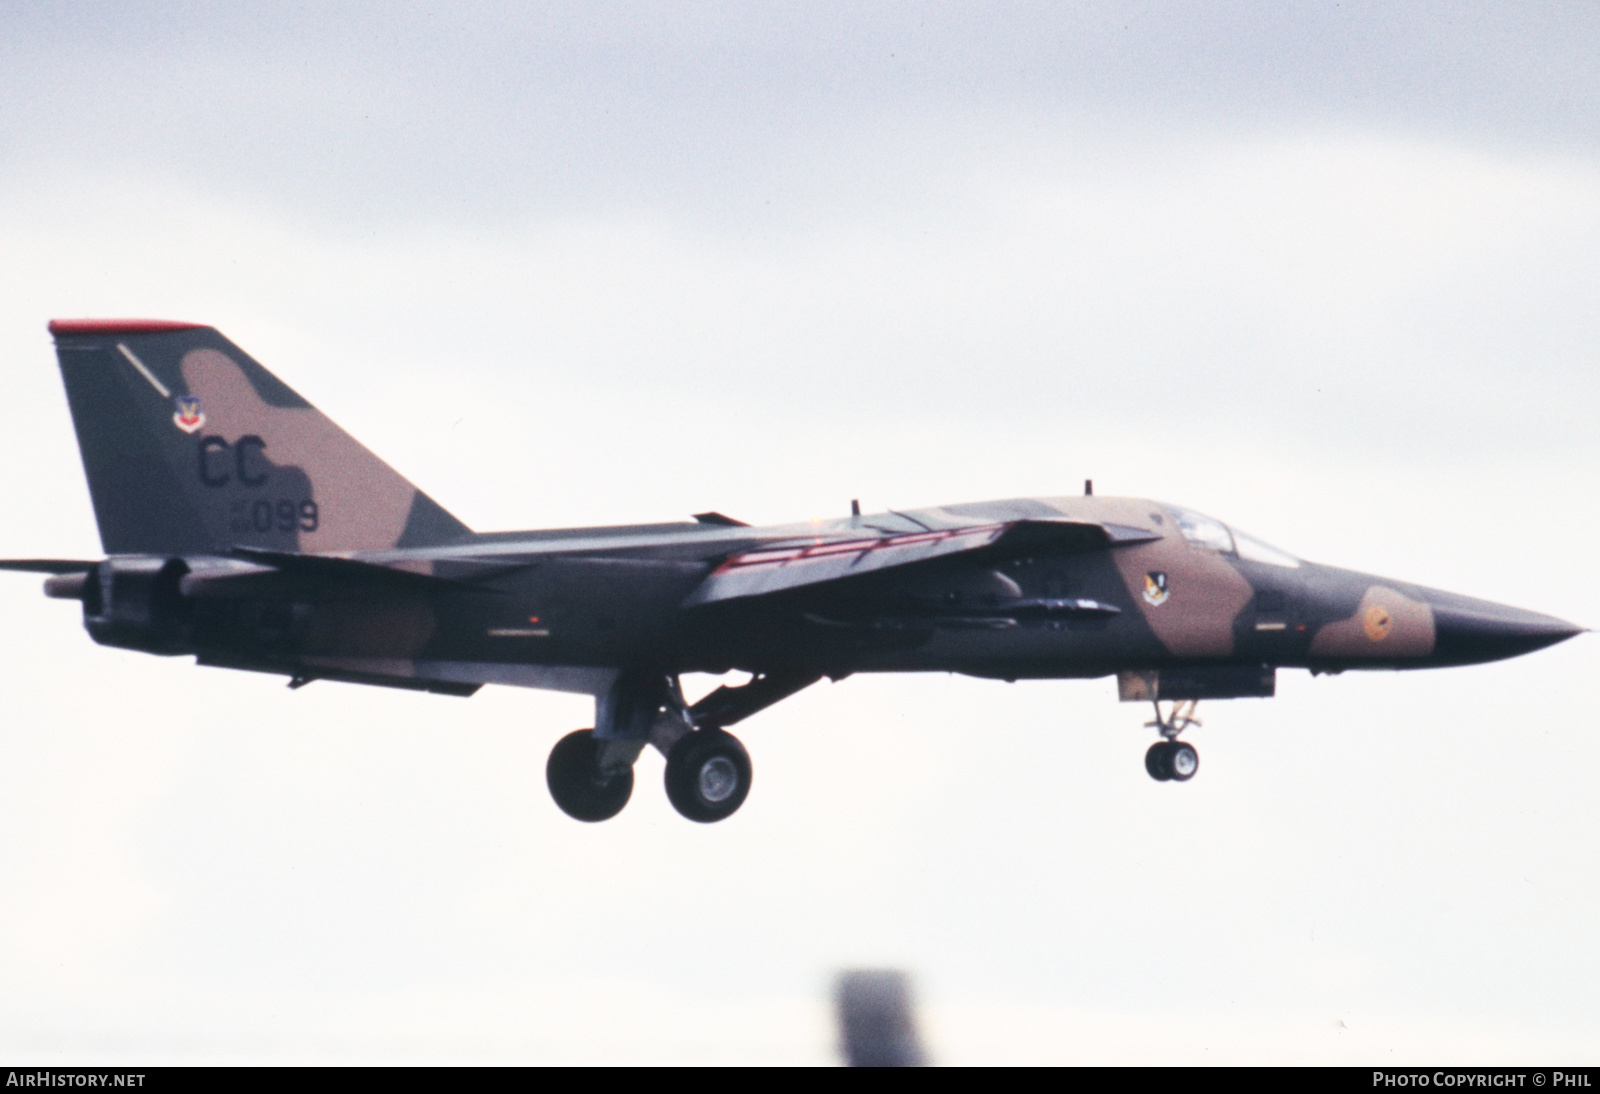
point(245, 528)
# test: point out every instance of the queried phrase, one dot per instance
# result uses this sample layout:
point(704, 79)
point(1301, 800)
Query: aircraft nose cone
point(1468, 631)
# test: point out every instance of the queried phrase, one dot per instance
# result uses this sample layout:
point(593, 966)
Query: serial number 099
point(283, 515)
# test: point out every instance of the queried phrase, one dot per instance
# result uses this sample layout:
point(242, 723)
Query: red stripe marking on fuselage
point(841, 548)
point(775, 559)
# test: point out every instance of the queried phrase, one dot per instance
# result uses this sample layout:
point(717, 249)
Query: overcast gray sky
point(1329, 271)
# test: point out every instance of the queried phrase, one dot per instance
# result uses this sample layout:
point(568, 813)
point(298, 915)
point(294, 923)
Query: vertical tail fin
point(190, 446)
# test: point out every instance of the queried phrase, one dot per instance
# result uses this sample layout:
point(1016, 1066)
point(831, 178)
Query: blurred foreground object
point(876, 1025)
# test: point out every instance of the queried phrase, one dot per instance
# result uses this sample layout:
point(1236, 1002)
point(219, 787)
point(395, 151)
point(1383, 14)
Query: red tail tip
point(119, 326)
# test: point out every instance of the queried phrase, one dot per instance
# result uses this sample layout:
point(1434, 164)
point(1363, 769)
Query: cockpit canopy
point(1204, 531)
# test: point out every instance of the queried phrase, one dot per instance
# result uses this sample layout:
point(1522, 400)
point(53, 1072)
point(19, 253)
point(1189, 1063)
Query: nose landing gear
point(1169, 759)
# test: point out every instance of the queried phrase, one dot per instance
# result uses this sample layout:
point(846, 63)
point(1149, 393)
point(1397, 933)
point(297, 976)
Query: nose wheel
point(1172, 761)
point(1169, 759)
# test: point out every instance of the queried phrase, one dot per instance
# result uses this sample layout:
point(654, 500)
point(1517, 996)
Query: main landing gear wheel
point(1176, 761)
point(580, 788)
point(708, 775)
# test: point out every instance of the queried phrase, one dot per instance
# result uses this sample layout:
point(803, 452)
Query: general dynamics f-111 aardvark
point(245, 528)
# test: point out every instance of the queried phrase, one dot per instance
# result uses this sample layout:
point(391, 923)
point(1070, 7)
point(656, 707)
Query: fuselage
point(568, 608)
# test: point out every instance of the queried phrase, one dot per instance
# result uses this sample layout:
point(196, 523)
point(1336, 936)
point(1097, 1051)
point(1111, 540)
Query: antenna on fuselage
point(1088, 488)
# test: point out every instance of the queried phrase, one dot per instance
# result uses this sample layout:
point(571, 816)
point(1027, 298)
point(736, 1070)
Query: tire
point(576, 783)
point(708, 775)
point(1183, 761)
point(1158, 761)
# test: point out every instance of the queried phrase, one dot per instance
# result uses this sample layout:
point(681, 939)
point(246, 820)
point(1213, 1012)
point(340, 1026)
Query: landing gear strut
point(1170, 759)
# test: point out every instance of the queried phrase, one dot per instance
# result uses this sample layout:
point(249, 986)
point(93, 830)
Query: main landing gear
point(708, 776)
point(590, 771)
point(1169, 759)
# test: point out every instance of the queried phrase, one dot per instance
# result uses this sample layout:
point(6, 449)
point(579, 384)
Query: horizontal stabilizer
point(48, 565)
point(279, 572)
point(795, 565)
point(382, 680)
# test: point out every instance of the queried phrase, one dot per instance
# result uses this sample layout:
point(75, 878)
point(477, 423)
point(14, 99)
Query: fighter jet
point(242, 527)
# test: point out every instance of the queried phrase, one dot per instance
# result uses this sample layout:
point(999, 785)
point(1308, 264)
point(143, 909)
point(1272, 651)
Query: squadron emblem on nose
point(1377, 622)
point(189, 417)
point(1155, 588)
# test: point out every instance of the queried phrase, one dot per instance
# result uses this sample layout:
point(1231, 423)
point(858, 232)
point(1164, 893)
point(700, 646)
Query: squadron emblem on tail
point(189, 417)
